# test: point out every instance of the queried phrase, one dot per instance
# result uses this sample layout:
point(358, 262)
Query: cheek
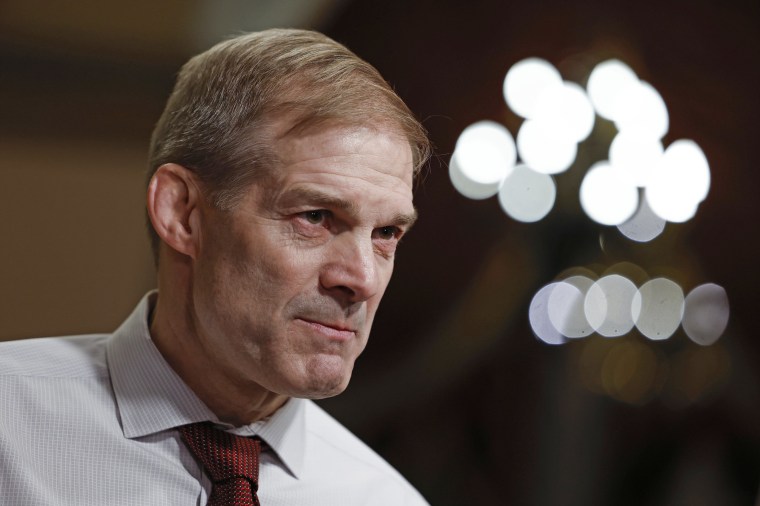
point(242, 261)
point(262, 279)
point(385, 271)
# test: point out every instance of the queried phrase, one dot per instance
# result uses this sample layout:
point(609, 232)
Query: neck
point(233, 401)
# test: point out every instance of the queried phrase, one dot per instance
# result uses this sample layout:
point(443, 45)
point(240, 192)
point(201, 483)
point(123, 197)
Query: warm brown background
point(453, 390)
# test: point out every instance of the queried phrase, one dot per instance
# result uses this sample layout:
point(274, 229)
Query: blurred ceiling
point(144, 29)
point(111, 64)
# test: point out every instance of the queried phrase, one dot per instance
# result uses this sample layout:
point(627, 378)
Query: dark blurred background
point(454, 389)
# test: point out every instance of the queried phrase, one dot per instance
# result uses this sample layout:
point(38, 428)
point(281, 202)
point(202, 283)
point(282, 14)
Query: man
point(280, 185)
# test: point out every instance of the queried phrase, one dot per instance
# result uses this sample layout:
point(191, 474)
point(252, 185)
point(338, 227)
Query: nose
point(350, 272)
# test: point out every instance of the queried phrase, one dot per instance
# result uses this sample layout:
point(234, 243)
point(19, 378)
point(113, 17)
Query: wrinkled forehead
point(290, 121)
point(292, 139)
point(369, 166)
point(294, 117)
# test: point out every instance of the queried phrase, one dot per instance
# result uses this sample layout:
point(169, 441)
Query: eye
point(387, 233)
point(316, 217)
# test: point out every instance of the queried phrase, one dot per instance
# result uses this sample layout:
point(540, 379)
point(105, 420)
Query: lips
point(334, 330)
point(336, 326)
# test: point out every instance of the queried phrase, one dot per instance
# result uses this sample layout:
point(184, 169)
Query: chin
point(322, 388)
point(325, 394)
point(319, 377)
point(321, 383)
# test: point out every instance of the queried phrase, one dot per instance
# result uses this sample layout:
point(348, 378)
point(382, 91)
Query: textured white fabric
point(91, 420)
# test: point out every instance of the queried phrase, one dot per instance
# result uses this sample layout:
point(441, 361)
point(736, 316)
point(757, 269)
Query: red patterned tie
point(231, 461)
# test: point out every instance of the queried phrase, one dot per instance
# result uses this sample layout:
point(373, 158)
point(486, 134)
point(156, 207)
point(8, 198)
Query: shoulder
point(347, 450)
point(55, 357)
point(63, 377)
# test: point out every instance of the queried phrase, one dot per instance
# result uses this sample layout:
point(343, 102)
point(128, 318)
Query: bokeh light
point(706, 313)
point(486, 152)
point(566, 307)
point(538, 315)
point(566, 108)
point(606, 196)
point(680, 182)
point(525, 81)
point(608, 305)
point(484, 156)
point(640, 188)
point(666, 201)
point(691, 163)
point(629, 372)
point(605, 83)
point(577, 306)
point(544, 149)
point(657, 308)
point(637, 155)
point(527, 195)
point(630, 270)
point(639, 108)
point(644, 225)
point(687, 160)
point(467, 187)
point(560, 114)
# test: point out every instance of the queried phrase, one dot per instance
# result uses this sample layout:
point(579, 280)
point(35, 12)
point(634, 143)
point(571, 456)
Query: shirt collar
point(284, 432)
point(151, 397)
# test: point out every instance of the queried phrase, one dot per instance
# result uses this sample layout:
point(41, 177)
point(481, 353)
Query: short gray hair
point(214, 120)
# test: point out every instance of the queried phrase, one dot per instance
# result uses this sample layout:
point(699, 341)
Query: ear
point(173, 203)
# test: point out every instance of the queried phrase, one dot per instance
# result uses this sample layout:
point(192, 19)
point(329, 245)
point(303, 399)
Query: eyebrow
point(326, 200)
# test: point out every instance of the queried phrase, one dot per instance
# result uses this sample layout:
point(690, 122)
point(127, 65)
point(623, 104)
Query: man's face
point(286, 285)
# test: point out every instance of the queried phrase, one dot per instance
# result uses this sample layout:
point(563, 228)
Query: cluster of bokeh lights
point(612, 305)
point(638, 188)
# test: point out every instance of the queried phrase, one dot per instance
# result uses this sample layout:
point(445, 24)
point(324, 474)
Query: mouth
point(332, 330)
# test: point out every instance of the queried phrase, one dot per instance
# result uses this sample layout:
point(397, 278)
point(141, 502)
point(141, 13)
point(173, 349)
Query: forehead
point(346, 156)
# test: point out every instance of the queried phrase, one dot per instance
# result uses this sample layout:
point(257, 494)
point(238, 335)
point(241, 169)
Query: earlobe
point(173, 200)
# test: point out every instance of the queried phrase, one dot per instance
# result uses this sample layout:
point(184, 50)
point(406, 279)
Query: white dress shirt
point(91, 420)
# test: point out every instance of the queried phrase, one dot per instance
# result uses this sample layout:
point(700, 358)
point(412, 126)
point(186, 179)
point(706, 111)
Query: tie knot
point(223, 455)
